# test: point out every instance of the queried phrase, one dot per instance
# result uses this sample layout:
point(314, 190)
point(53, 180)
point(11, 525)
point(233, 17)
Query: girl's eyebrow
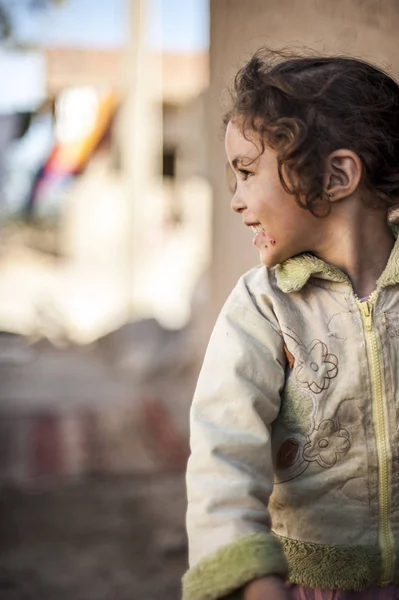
point(240, 159)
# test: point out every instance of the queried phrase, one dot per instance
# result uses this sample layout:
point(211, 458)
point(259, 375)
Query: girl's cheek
point(271, 239)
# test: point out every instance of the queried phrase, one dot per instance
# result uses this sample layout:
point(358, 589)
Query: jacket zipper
point(384, 455)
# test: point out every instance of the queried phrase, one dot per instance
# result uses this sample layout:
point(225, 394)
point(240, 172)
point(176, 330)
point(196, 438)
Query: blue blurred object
point(22, 161)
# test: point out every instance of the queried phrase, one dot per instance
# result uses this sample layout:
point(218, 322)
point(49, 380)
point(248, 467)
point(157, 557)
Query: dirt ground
point(97, 539)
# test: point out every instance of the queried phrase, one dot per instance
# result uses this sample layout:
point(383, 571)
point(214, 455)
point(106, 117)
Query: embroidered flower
point(325, 444)
point(315, 367)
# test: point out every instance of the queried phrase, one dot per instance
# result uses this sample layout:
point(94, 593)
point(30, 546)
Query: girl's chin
point(268, 258)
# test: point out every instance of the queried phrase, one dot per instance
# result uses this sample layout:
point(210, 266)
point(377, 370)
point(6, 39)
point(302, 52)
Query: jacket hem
point(312, 565)
point(226, 571)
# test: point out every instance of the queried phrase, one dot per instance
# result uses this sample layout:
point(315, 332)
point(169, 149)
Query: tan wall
point(365, 28)
point(82, 66)
point(184, 76)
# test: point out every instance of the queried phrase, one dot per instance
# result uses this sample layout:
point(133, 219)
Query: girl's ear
point(343, 172)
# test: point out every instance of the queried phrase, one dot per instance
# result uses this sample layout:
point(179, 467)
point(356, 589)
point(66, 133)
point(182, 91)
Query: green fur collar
point(294, 273)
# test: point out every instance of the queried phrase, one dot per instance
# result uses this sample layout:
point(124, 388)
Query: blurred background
point(117, 250)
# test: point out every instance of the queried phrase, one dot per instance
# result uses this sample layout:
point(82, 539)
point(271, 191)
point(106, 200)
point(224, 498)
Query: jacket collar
point(295, 272)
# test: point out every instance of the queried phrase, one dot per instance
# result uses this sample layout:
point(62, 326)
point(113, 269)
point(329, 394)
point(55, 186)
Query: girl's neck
point(359, 243)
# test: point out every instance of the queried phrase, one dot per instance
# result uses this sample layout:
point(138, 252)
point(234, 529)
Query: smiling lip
point(258, 230)
point(251, 223)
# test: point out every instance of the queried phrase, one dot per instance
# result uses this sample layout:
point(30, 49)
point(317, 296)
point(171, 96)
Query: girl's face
point(281, 227)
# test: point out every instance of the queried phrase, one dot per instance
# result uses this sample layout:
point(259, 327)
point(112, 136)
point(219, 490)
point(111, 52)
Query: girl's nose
point(237, 204)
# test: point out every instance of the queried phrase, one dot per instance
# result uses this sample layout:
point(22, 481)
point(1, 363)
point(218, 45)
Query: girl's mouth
point(262, 239)
point(259, 234)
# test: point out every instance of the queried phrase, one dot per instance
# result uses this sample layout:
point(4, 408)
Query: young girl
point(293, 480)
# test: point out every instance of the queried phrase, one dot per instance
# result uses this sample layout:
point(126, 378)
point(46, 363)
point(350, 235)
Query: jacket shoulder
point(257, 292)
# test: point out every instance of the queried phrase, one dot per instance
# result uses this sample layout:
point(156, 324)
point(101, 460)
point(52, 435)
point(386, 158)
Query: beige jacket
point(295, 435)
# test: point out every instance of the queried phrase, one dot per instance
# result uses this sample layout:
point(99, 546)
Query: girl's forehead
point(236, 143)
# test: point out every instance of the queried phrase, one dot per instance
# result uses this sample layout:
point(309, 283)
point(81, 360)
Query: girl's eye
point(231, 177)
point(245, 173)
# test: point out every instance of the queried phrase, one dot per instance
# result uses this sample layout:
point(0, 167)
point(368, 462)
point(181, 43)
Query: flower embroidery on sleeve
point(325, 444)
point(315, 367)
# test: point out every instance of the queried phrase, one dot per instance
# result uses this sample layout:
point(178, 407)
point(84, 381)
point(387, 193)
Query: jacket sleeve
point(230, 471)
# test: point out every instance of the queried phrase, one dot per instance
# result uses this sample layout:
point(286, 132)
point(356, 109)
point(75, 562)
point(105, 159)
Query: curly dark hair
point(305, 107)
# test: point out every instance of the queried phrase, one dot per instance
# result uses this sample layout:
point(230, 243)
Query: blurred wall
point(364, 28)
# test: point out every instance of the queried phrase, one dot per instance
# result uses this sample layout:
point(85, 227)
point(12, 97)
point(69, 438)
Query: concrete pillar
point(141, 144)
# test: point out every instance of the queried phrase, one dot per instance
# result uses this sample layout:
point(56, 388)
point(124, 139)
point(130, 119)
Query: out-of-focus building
point(133, 234)
point(99, 67)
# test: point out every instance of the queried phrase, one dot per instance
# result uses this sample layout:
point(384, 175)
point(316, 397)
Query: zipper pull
point(367, 310)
